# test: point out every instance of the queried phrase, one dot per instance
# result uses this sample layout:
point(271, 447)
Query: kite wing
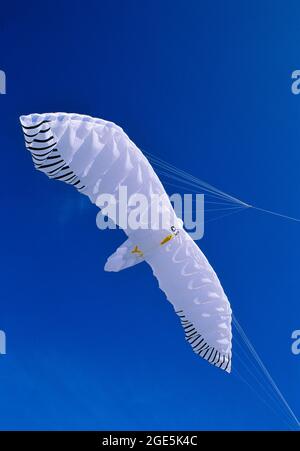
point(194, 290)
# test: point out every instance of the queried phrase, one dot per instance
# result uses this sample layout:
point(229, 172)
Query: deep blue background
point(207, 87)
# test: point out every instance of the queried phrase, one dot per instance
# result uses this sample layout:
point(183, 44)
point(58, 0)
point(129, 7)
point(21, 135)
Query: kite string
point(265, 387)
point(237, 210)
point(197, 185)
point(171, 172)
point(228, 204)
point(217, 198)
point(193, 184)
point(238, 375)
point(188, 177)
point(179, 172)
point(276, 214)
point(264, 369)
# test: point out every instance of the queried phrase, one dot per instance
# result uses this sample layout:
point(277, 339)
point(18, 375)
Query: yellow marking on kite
point(165, 240)
point(136, 250)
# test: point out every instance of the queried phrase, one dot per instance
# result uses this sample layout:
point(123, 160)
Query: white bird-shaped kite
point(97, 157)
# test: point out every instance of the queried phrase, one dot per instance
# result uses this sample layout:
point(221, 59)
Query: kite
point(97, 157)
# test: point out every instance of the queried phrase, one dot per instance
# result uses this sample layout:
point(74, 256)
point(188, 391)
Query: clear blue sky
point(205, 86)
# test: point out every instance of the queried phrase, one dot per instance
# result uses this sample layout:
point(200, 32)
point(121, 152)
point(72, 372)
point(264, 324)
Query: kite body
point(97, 157)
